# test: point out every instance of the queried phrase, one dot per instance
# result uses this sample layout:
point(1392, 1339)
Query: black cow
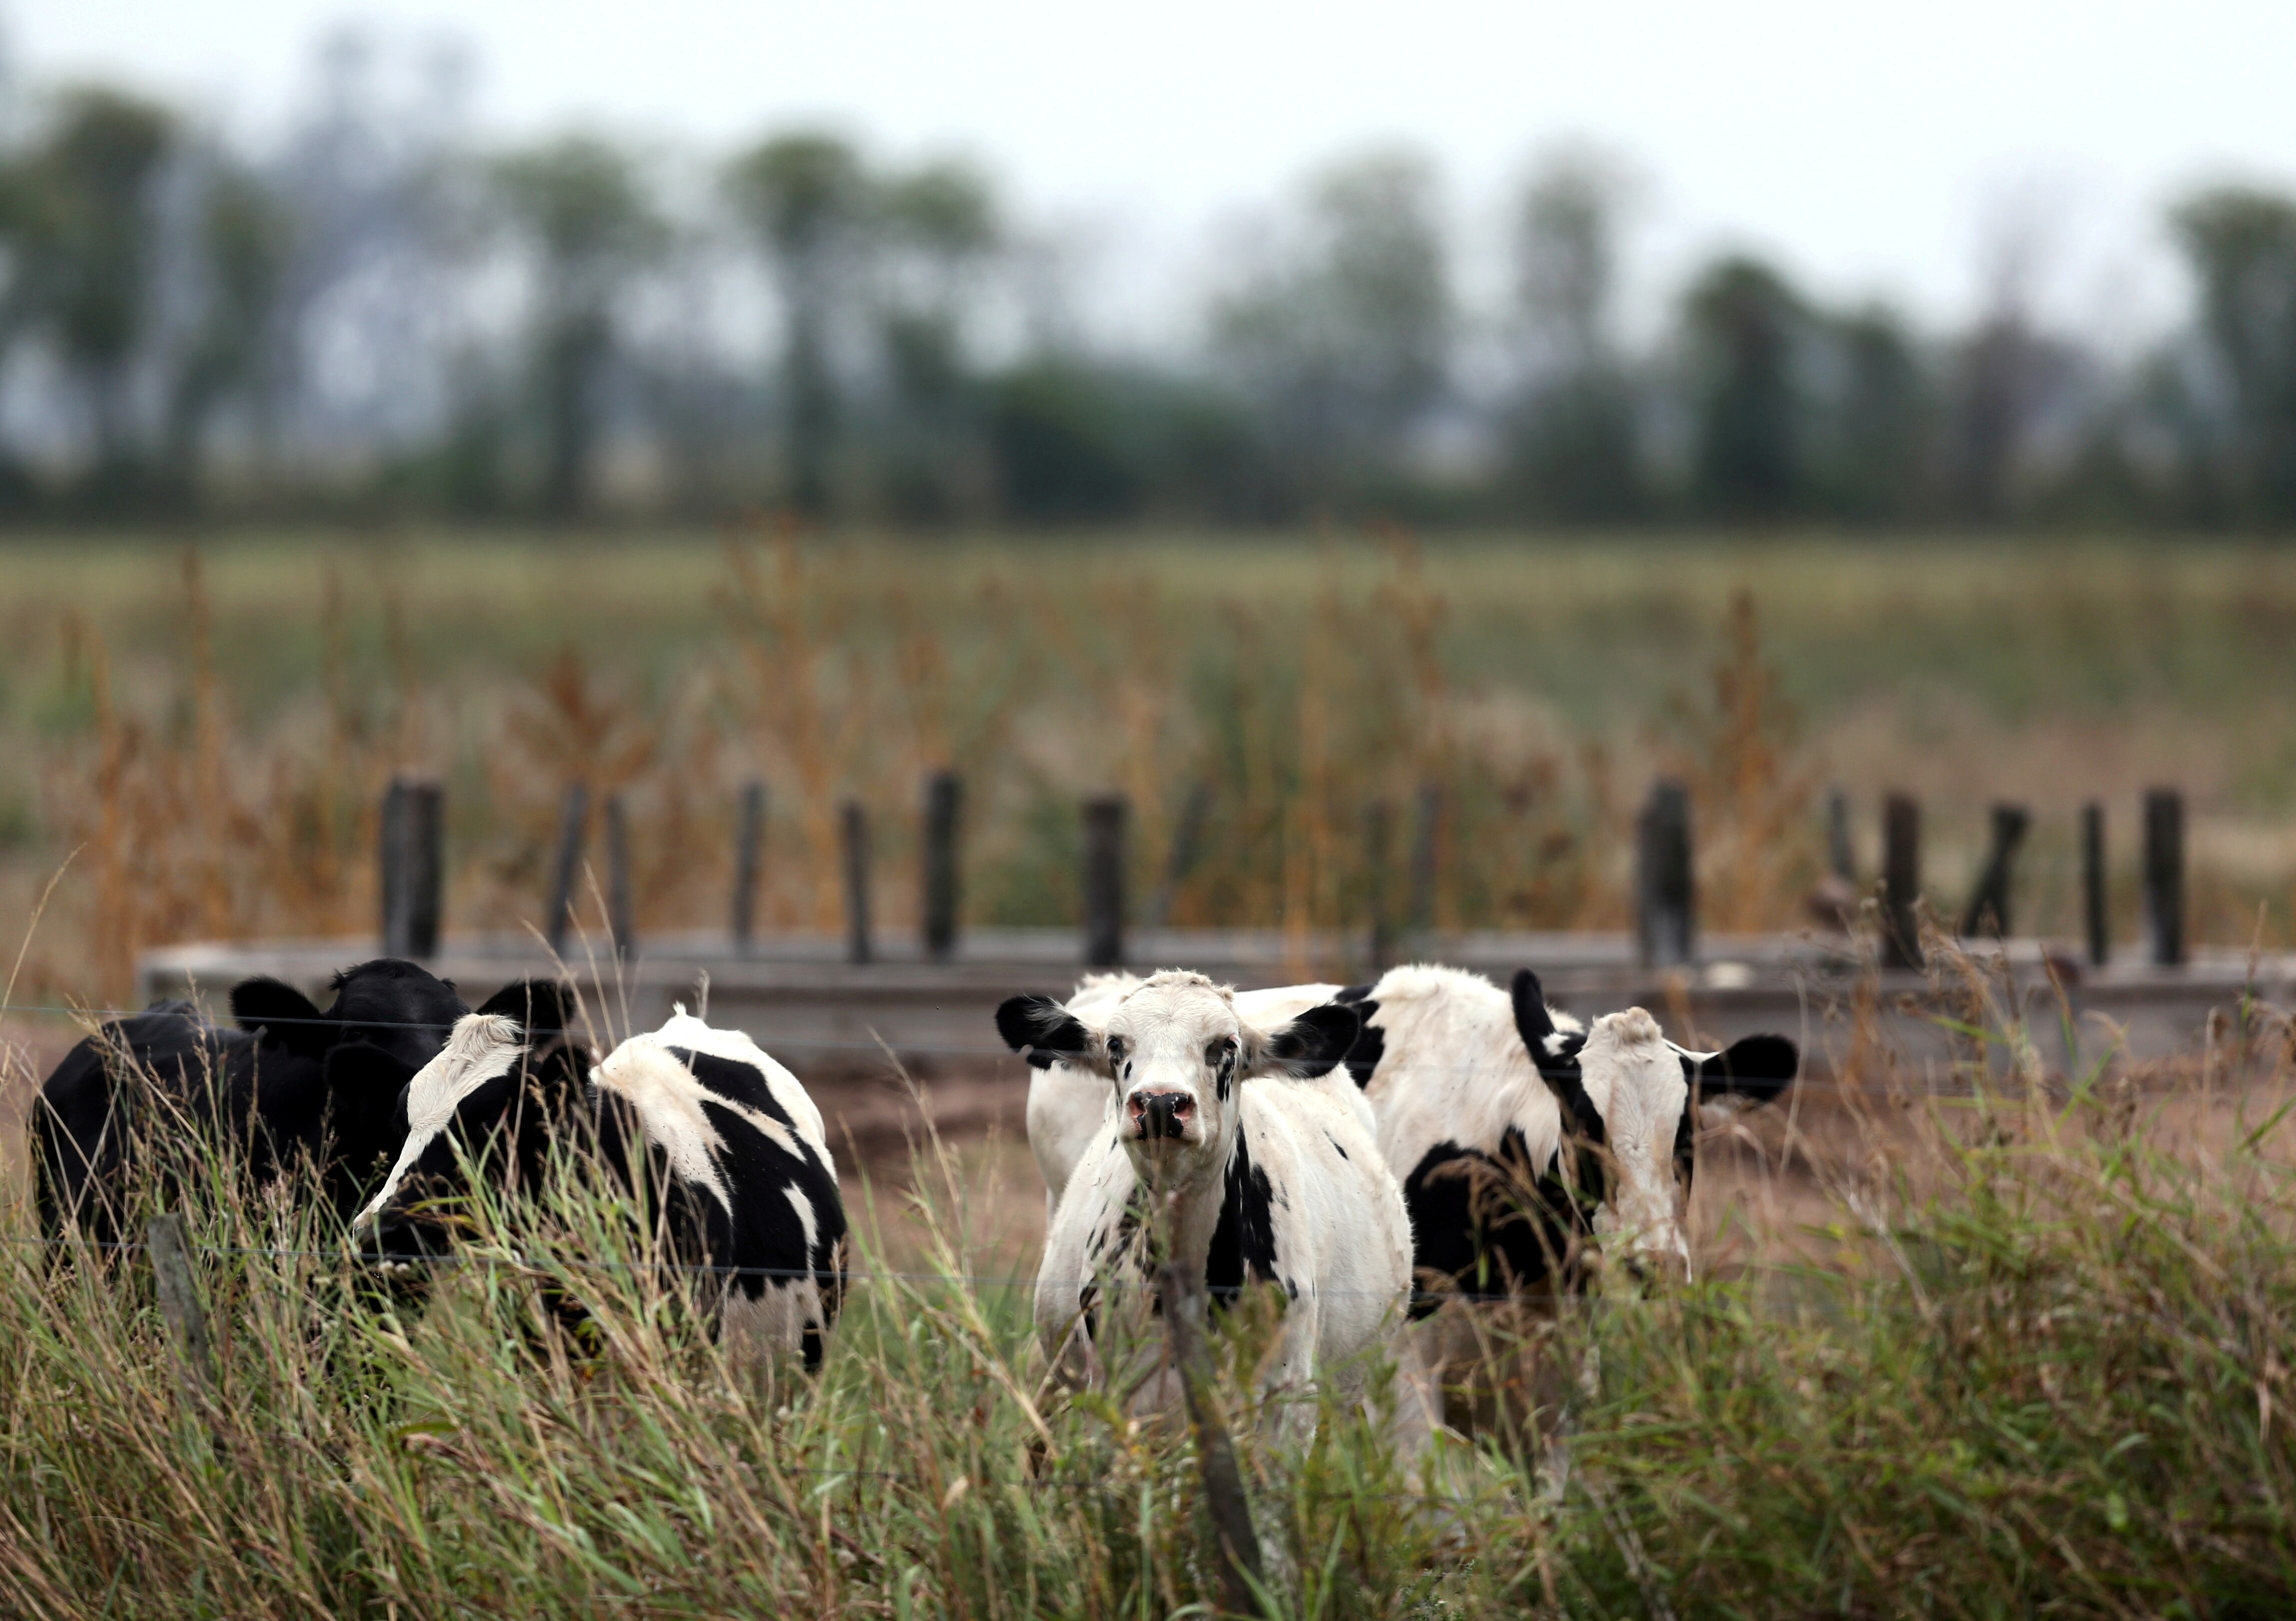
point(291, 1084)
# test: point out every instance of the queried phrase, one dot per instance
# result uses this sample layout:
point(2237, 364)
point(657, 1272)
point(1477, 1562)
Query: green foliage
point(1745, 325)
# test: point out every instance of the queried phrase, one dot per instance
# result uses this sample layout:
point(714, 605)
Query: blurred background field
point(197, 733)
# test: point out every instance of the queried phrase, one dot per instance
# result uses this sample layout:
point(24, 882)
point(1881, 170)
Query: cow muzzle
point(1157, 1116)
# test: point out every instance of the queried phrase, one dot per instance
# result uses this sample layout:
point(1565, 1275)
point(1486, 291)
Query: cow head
point(1175, 1050)
point(387, 1019)
point(494, 1097)
point(1631, 1103)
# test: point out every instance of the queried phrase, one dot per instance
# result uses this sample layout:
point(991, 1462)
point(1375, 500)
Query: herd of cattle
point(1376, 1152)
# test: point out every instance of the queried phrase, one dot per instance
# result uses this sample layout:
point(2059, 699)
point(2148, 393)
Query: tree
point(579, 203)
point(805, 198)
point(2241, 243)
point(78, 221)
point(243, 241)
point(1879, 417)
point(1745, 330)
point(1344, 344)
point(940, 229)
point(1573, 430)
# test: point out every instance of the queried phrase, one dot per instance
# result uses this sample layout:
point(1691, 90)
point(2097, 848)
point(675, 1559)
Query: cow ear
point(1749, 1072)
point(540, 1006)
point(1310, 1045)
point(1048, 1030)
point(282, 1015)
point(1554, 1050)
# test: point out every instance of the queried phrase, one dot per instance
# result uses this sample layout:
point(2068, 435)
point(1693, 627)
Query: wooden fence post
point(1901, 882)
point(1182, 1286)
point(1379, 838)
point(1426, 851)
point(1666, 884)
point(853, 828)
point(944, 809)
point(573, 816)
point(413, 867)
point(2095, 906)
point(1187, 843)
point(621, 919)
point(1988, 903)
point(2164, 875)
point(1841, 853)
point(1103, 887)
point(179, 1305)
point(749, 864)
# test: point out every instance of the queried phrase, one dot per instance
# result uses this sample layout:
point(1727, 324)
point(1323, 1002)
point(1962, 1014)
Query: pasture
point(1983, 1355)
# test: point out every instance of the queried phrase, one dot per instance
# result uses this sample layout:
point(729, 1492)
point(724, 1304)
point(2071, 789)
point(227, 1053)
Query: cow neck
point(1199, 1208)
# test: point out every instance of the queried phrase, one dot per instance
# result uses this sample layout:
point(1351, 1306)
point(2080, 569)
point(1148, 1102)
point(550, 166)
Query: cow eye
point(1116, 1048)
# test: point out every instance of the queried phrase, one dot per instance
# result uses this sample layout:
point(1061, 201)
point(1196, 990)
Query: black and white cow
point(1067, 1101)
point(291, 1084)
point(1529, 1144)
point(729, 1148)
point(1261, 1180)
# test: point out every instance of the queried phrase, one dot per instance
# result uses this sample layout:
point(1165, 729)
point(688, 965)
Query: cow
point(1259, 1181)
point(1067, 1101)
point(729, 1152)
point(290, 1086)
point(1532, 1149)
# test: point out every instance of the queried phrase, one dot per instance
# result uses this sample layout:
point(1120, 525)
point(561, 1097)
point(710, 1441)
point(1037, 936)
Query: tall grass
point(2040, 1366)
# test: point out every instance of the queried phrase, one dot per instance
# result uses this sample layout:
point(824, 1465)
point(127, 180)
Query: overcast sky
point(1874, 148)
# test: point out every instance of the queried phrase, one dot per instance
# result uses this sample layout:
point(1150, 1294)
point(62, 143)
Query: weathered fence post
point(573, 816)
point(944, 809)
point(179, 1305)
point(1182, 1286)
point(2095, 905)
point(1666, 892)
point(621, 919)
point(413, 867)
point(1426, 851)
point(1379, 838)
point(2164, 875)
point(1187, 843)
point(1989, 901)
point(1103, 887)
point(1840, 855)
point(749, 864)
point(853, 821)
point(1901, 882)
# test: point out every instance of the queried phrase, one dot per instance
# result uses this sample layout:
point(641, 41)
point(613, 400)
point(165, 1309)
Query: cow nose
point(1161, 1114)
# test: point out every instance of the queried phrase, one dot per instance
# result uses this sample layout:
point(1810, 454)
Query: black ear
point(542, 1007)
point(1756, 1069)
point(283, 1015)
point(1311, 1043)
point(1043, 1024)
point(1553, 1051)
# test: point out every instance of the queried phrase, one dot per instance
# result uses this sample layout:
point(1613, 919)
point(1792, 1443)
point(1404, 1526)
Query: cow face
point(1631, 1103)
point(1176, 1050)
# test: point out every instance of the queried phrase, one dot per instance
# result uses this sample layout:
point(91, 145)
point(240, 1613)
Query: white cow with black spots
point(1255, 1178)
point(1067, 1102)
point(730, 1151)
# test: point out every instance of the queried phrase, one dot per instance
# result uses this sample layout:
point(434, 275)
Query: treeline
point(381, 316)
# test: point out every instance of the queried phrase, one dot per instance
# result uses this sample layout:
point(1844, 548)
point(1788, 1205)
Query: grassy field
point(209, 729)
point(1990, 1357)
point(1987, 1357)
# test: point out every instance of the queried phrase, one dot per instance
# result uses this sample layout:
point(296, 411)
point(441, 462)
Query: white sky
point(1867, 145)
